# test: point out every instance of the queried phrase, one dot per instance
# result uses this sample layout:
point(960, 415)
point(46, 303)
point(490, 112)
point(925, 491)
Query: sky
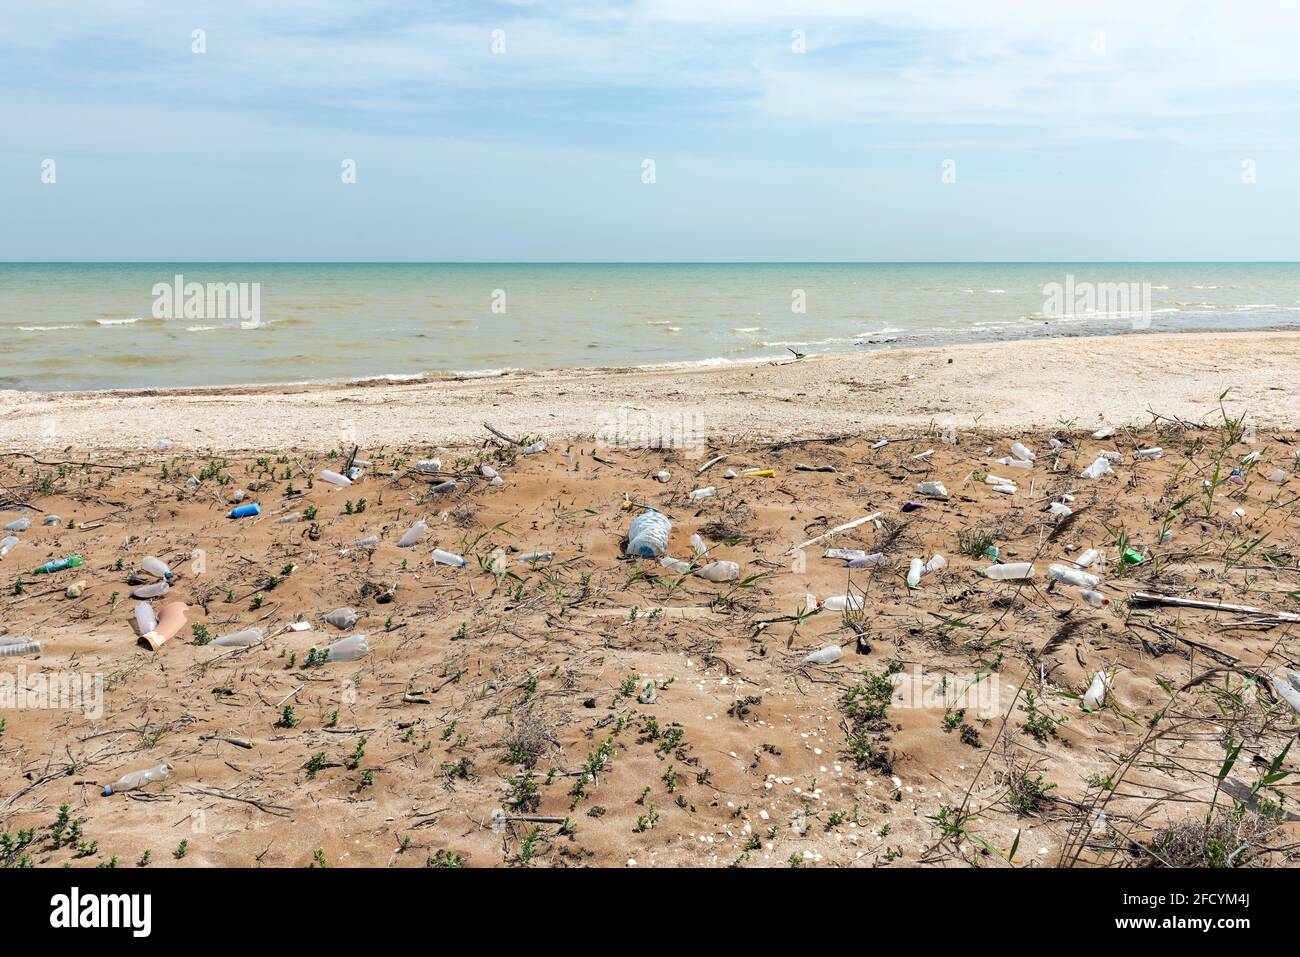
point(649, 130)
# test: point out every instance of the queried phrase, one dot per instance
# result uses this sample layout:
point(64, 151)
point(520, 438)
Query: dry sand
point(1021, 384)
point(745, 756)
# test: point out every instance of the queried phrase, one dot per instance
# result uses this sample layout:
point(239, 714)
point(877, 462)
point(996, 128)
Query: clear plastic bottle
point(675, 565)
point(241, 639)
point(7, 545)
point(1010, 571)
point(333, 478)
point(348, 649)
point(842, 603)
point(138, 779)
point(866, 561)
point(647, 536)
point(19, 525)
point(145, 619)
point(414, 535)
point(700, 494)
point(535, 558)
point(441, 557)
point(1022, 452)
point(1089, 557)
point(1094, 598)
point(16, 645)
point(152, 590)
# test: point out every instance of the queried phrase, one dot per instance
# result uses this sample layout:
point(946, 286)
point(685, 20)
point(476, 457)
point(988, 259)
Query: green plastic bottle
point(58, 565)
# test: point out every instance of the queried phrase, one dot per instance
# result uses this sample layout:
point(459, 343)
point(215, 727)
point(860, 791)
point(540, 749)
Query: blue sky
point(1111, 130)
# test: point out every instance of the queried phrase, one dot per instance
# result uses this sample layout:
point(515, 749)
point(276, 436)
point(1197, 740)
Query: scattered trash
point(1096, 694)
point(1011, 570)
point(1097, 469)
point(414, 535)
point(245, 511)
point(341, 618)
point(841, 603)
point(719, 572)
point(1072, 576)
point(334, 478)
point(932, 489)
point(152, 590)
point(1094, 598)
point(241, 639)
point(448, 558)
point(700, 494)
point(348, 649)
point(18, 525)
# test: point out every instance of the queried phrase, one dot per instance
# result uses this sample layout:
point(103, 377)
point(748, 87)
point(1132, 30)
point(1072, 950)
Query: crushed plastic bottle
point(663, 476)
point(414, 535)
point(1153, 453)
point(719, 572)
point(241, 639)
point(341, 618)
point(825, 656)
point(647, 536)
point(348, 649)
point(873, 560)
point(700, 494)
point(1100, 467)
point(433, 466)
point(138, 779)
point(535, 558)
point(535, 448)
point(7, 545)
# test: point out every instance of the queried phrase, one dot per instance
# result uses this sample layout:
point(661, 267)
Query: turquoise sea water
point(93, 326)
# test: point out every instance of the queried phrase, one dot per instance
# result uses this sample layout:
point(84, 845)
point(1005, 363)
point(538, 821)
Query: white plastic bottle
point(334, 478)
point(866, 561)
point(341, 618)
point(16, 645)
point(842, 603)
point(241, 639)
point(700, 494)
point(348, 649)
point(145, 619)
point(825, 656)
point(441, 557)
point(1010, 571)
point(1072, 576)
point(719, 572)
point(155, 567)
point(914, 572)
point(152, 590)
point(1022, 452)
point(414, 535)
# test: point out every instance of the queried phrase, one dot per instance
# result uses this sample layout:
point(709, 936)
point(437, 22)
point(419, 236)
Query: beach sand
point(1086, 381)
point(507, 686)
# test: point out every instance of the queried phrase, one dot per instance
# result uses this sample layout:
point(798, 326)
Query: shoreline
point(1013, 384)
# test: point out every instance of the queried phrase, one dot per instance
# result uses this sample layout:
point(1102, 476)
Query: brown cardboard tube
point(170, 622)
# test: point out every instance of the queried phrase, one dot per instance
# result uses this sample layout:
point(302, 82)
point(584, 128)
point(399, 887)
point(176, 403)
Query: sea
point(82, 326)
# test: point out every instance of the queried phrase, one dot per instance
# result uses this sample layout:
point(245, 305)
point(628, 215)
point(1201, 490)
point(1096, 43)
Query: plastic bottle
point(488, 472)
point(1154, 453)
point(997, 480)
point(152, 590)
point(433, 466)
point(1072, 576)
point(535, 558)
point(138, 779)
point(1022, 452)
point(145, 619)
point(7, 545)
point(155, 567)
point(675, 565)
point(334, 478)
point(933, 489)
point(700, 494)
point(414, 535)
point(647, 536)
point(866, 561)
point(1097, 469)
point(842, 603)
point(245, 511)
point(1061, 509)
point(342, 618)
point(848, 554)
point(289, 519)
point(241, 639)
point(535, 448)
point(16, 645)
point(348, 649)
point(444, 487)
point(1089, 557)
point(1095, 696)
point(1005, 489)
point(663, 476)
point(698, 546)
point(58, 565)
point(1094, 598)
point(914, 572)
point(1014, 463)
point(1104, 433)
point(1011, 570)
point(825, 656)
point(719, 572)
point(366, 542)
point(935, 563)
point(441, 557)
point(19, 525)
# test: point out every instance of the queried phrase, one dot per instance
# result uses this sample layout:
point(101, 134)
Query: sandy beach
point(1114, 379)
point(580, 707)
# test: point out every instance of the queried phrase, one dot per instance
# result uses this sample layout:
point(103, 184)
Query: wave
point(43, 328)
